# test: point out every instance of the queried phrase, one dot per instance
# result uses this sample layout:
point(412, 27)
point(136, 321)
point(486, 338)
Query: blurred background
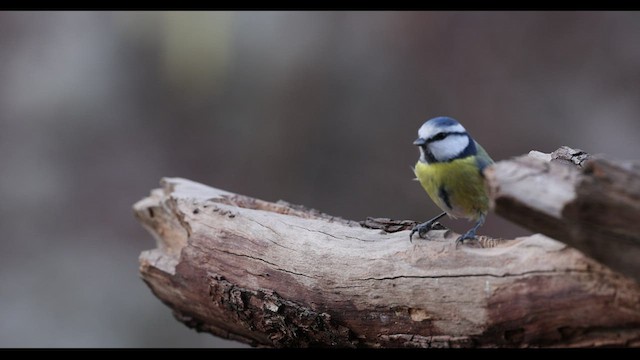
point(315, 108)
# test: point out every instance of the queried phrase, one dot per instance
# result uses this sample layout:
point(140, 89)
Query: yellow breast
point(457, 187)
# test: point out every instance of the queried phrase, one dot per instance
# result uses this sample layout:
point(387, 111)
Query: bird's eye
point(440, 136)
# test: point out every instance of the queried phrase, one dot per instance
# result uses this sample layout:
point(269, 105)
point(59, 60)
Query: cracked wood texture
point(588, 202)
point(279, 275)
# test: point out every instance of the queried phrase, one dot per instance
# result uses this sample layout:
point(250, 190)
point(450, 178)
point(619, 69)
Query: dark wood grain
point(590, 203)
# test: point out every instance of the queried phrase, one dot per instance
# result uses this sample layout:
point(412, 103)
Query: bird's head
point(443, 139)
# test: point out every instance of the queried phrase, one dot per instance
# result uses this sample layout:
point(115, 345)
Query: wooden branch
point(589, 203)
point(276, 275)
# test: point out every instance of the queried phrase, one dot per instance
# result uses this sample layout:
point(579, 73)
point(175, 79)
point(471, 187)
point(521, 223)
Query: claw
point(423, 229)
point(471, 234)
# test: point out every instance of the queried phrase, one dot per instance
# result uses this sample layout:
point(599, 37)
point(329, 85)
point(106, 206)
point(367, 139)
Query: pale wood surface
point(274, 274)
point(590, 203)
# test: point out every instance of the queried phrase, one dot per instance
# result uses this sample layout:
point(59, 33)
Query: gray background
point(316, 108)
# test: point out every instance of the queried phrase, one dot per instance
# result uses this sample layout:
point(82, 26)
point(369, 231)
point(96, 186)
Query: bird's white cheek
point(449, 147)
point(423, 157)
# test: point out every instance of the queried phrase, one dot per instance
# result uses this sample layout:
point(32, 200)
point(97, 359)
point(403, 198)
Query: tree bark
point(592, 205)
point(280, 275)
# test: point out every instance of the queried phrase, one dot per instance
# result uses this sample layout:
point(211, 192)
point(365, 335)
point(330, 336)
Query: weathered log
point(275, 275)
point(590, 203)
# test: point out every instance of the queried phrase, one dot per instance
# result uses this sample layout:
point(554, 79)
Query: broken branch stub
point(590, 203)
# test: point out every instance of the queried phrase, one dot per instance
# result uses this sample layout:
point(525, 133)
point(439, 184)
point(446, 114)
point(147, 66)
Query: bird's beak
point(419, 142)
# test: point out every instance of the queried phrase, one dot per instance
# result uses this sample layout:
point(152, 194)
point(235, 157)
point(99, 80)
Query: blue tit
point(450, 171)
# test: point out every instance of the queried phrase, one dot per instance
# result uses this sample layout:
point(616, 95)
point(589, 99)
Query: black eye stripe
point(443, 135)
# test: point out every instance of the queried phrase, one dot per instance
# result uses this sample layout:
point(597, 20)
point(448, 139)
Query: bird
point(450, 171)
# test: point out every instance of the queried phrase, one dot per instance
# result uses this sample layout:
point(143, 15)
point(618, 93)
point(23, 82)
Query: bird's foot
point(469, 235)
point(421, 229)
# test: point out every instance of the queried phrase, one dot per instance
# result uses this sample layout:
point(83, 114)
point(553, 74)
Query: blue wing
point(482, 158)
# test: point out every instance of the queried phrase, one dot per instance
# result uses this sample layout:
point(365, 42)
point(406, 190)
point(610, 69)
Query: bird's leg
point(423, 228)
point(471, 234)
